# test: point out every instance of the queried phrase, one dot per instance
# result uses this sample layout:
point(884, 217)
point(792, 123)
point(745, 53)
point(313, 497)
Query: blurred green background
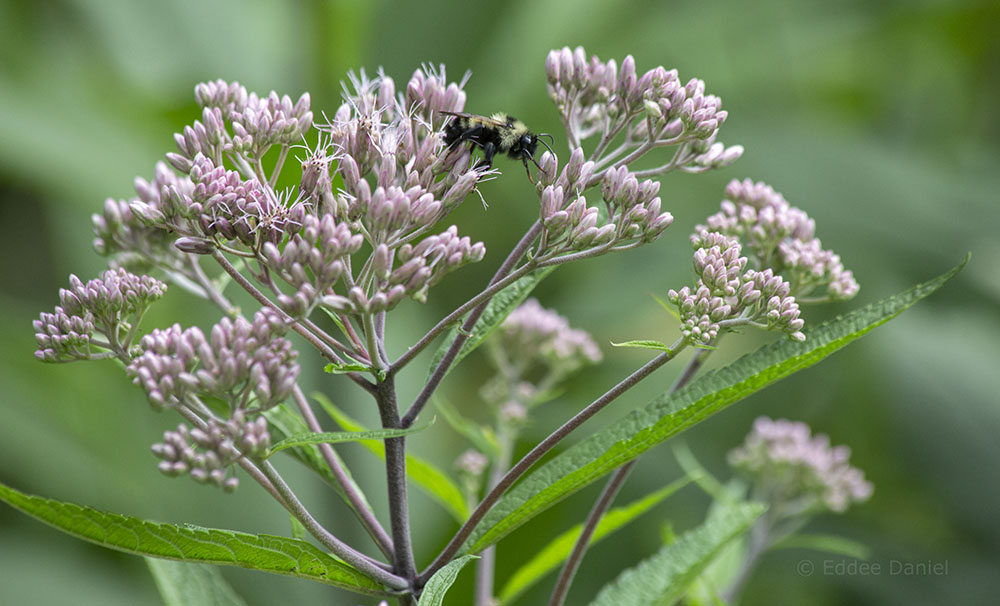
point(877, 118)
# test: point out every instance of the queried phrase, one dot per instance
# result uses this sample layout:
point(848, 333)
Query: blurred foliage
point(877, 118)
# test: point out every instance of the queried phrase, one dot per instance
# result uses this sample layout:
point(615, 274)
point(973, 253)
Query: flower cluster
point(257, 123)
point(633, 209)
point(532, 334)
point(136, 228)
point(789, 464)
point(654, 109)
point(238, 362)
point(396, 186)
point(312, 261)
point(782, 237)
point(207, 455)
point(111, 305)
point(727, 293)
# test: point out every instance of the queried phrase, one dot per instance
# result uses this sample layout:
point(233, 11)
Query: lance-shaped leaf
point(427, 477)
point(482, 437)
point(280, 555)
point(189, 584)
point(334, 437)
point(663, 578)
point(496, 311)
point(671, 414)
point(556, 552)
point(441, 582)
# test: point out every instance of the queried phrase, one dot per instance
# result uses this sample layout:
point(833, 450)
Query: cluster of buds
point(311, 261)
point(208, 201)
point(226, 205)
point(136, 228)
point(655, 109)
point(256, 123)
point(781, 237)
point(533, 337)
point(388, 151)
point(207, 455)
point(238, 362)
point(112, 305)
point(634, 211)
point(787, 464)
point(470, 466)
point(728, 293)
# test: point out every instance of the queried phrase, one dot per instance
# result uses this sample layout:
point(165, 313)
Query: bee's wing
point(475, 118)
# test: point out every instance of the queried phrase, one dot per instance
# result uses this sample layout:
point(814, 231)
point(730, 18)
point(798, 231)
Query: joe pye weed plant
point(327, 261)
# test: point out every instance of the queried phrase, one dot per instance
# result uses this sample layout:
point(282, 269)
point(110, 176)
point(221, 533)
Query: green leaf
point(334, 437)
point(670, 414)
point(672, 310)
point(705, 480)
point(556, 552)
point(496, 311)
point(280, 555)
point(427, 477)
point(481, 437)
point(827, 543)
point(663, 578)
point(341, 369)
point(298, 530)
point(289, 423)
point(441, 582)
point(187, 584)
point(644, 345)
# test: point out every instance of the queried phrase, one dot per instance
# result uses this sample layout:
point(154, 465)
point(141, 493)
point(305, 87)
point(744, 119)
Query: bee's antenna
point(539, 138)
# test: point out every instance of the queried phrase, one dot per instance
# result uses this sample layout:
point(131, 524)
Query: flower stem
point(442, 368)
point(607, 497)
point(541, 449)
point(597, 512)
point(358, 504)
point(339, 548)
point(395, 470)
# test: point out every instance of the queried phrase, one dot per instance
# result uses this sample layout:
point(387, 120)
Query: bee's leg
point(468, 135)
point(525, 159)
point(489, 150)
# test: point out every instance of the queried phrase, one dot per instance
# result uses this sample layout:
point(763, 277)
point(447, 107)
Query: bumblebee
point(498, 133)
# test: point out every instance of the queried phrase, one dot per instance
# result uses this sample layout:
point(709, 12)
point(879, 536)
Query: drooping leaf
point(481, 437)
point(434, 482)
point(496, 311)
point(280, 555)
point(334, 437)
point(644, 344)
point(289, 423)
point(442, 580)
point(671, 414)
point(663, 578)
point(556, 552)
point(189, 584)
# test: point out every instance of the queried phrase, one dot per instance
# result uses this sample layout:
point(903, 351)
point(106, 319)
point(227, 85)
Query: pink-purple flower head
point(532, 334)
point(634, 214)
point(727, 294)
point(256, 122)
point(111, 305)
point(138, 228)
point(239, 362)
point(788, 464)
point(602, 98)
point(781, 237)
point(208, 454)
